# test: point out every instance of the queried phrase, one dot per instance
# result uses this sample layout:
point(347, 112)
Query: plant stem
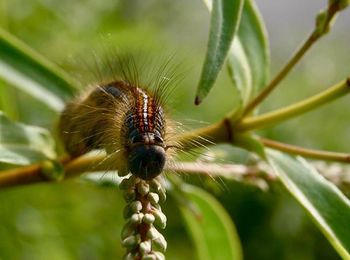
point(318, 32)
point(280, 75)
point(310, 153)
point(30, 174)
point(220, 132)
point(228, 171)
point(75, 167)
point(271, 118)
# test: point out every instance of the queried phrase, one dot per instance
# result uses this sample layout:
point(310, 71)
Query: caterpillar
point(125, 119)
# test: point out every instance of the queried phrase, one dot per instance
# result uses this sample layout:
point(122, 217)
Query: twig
point(28, 174)
point(220, 132)
point(31, 174)
point(256, 175)
point(310, 153)
point(228, 171)
point(322, 27)
point(75, 167)
point(296, 109)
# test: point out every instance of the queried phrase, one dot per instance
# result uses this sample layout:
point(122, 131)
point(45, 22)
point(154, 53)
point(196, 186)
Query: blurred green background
point(80, 220)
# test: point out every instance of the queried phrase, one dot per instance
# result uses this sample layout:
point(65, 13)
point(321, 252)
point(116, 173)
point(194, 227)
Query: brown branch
point(219, 132)
point(258, 175)
point(28, 174)
point(35, 174)
point(75, 167)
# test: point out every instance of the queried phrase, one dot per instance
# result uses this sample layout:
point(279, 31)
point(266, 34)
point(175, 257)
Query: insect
point(123, 118)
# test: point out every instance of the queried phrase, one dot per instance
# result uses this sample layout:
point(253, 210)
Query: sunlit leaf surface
point(225, 16)
point(329, 208)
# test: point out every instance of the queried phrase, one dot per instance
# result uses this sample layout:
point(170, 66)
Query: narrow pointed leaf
point(225, 16)
point(23, 144)
point(240, 72)
point(30, 72)
point(328, 207)
point(253, 37)
point(213, 233)
point(248, 59)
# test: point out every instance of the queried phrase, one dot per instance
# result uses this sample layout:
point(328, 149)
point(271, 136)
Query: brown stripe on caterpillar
point(125, 120)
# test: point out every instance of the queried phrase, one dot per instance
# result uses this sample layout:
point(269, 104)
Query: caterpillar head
point(146, 161)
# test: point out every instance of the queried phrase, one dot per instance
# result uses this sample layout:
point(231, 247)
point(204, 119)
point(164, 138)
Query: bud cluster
point(144, 216)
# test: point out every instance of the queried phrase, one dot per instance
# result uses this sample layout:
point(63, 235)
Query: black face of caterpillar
point(146, 161)
point(147, 156)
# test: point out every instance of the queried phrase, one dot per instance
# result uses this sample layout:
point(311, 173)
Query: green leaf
point(253, 37)
point(248, 59)
point(213, 232)
point(240, 72)
point(23, 144)
point(224, 23)
point(329, 208)
point(32, 73)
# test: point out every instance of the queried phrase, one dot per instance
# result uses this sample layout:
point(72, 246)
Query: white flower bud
point(153, 198)
point(136, 206)
point(143, 188)
point(145, 247)
point(131, 241)
point(159, 256)
point(148, 218)
point(136, 218)
point(162, 195)
point(160, 218)
point(153, 233)
point(157, 187)
point(160, 243)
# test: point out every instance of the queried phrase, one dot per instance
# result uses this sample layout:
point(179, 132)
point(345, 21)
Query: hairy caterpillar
point(125, 119)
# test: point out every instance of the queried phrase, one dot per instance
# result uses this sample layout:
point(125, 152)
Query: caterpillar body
point(123, 119)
